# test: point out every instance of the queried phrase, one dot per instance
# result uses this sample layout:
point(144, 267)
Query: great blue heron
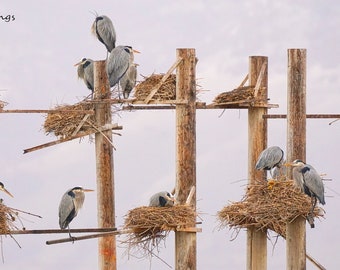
point(269, 158)
point(2, 187)
point(85, 72)
point(309, 181)
point(162, 199)
point(104, 30)
point(119, 62)
point(128, 81)
point(70, 204)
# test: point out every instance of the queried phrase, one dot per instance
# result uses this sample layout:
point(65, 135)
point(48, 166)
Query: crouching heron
point(162, 199)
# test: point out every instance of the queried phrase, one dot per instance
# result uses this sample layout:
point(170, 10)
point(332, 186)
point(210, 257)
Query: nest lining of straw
point(167, 91)
point(64, 124)
point(7, 219)
point(150, 225)
point(268, 205)
point(245, 93)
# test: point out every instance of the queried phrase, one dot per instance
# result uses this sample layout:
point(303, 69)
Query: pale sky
point(38, 50)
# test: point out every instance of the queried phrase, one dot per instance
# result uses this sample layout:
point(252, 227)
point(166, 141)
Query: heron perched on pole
point(308, 181)
point(118, 63)
point(270, 158)
point(85, 72)
point(70, 204)
point(128, 81)
point(104, 30)
point(162, 199)
point(2, 187)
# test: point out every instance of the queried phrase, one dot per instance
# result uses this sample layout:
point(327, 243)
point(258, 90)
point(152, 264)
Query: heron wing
point(313, 182)
point(269, 158)
point(88, 76)
point(105, 32)
point(117, 64)
point(67, 211)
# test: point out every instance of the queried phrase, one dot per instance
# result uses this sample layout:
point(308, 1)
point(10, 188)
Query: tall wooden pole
point(186, 153)
point(257, 142)
point(104, 168)
point(296, 149)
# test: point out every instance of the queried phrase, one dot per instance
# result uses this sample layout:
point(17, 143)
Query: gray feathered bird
point(308, 180)
point(85, 72)
point(128, 81)
point(70, 204)
point(118, 63)
point(104, 30)
point(162, 199)
point(270, 158)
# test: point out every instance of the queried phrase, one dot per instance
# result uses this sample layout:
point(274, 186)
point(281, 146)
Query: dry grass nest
point(7, 218)
point(167, 91)
point(150, 225)
point(245, 93)
point(268, 205)
point(64, 124)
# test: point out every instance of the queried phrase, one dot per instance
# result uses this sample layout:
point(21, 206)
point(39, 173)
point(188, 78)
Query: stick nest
point(150, 225)
point(167, 91)
point(64, 124)
point(245, 93)
point(268, 205)
point(7, 219)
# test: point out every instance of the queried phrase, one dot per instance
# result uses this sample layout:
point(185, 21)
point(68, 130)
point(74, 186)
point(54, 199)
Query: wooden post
point(257, 142)
point(104, 168)
point(296, 149)
point(186, 153)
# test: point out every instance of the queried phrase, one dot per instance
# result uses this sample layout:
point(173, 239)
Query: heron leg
point(69, 233)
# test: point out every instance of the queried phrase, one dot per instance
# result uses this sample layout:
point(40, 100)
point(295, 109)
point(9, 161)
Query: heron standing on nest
point(85, 72)
point(270, 158)
point(105, 32)
point(128, 81)
point(118, 63)
point(70, 204)
point(162, 199)
point(309, 181)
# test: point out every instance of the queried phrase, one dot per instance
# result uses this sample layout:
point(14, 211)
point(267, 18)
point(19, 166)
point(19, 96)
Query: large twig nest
point(63, 124)
point(268, 205)
point(150, 225)
point(7, 218)
point(167, 91)
point(245, 93)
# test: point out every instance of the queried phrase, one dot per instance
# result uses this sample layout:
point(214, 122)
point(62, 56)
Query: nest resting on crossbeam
point(245, 93)
point(268, 205)
point(64, 124)
point(150, 225)
point(166, 91)
point(7, 219)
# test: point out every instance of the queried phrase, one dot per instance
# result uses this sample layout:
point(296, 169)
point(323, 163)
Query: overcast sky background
point(38, 50)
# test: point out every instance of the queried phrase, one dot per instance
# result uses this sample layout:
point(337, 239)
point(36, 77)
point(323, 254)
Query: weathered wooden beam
point(104, 169)
point(296, 149)
point(48, 111)
point(56, 231)
point(86, 237)
point(82, 134)
point(186, 154)
point(309, 116)
point(257, 142)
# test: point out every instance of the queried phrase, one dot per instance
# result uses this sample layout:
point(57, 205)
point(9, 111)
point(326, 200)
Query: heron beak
point(88, 190)
point(288, 164)
point(135, 51)
point(78, 63)
point(9, 193)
